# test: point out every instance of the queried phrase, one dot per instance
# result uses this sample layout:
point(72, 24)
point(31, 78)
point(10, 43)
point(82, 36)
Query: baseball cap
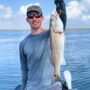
point(34, 8)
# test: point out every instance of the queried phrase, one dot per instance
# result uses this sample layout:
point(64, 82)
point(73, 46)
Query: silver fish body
point(56, 43)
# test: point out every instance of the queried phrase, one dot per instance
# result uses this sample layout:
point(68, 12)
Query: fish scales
point(56, 43)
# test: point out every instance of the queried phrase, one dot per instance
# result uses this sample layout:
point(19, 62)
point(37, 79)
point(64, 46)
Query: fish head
point(54, 18)
point(56, 23)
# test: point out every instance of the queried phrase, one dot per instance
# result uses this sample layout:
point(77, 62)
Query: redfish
point(57, 39)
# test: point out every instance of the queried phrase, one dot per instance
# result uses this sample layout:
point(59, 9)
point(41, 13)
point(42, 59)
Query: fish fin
point(63, 61)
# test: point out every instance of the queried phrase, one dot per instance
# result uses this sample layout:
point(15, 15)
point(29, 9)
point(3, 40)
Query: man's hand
point(61, 10)
point(58, 6)
point(57, 1)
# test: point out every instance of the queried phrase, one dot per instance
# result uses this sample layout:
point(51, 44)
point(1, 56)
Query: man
point(36, 68)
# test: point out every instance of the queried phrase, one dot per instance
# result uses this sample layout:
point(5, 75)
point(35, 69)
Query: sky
point(13, 13)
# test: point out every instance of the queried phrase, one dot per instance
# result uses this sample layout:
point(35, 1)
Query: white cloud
point(86, 17)
point(5, 12)
point(9, 13)
point(38, 4)
point(1, 7)
point(76, 9)
point(86, 4)
point(46, 19)
point(23, 8)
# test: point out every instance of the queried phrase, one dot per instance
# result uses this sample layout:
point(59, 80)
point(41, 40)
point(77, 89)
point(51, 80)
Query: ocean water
point(77, 56)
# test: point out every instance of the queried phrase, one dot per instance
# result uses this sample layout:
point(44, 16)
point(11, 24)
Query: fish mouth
point(56, 13)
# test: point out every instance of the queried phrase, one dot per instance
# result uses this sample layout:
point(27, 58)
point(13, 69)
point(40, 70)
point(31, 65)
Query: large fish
point(56, 43)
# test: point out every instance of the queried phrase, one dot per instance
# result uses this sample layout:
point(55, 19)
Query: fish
point(57, 39)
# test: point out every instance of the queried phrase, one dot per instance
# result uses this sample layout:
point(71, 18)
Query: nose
point(34, 18)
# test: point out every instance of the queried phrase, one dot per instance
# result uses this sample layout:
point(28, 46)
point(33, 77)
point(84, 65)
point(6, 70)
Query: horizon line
point(30, 29)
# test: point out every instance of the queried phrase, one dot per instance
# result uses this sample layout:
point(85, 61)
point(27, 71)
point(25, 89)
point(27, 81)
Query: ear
point(42, 18)
point(27, 19)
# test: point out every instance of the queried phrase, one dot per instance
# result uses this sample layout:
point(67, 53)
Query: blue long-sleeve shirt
point(37, 70)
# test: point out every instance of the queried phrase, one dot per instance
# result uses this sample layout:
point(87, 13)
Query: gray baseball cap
point(34, 8)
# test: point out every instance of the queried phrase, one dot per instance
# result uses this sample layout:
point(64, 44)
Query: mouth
point(35, 23)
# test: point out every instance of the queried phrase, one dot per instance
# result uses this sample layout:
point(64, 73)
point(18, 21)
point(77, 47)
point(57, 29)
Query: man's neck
point(37, 31)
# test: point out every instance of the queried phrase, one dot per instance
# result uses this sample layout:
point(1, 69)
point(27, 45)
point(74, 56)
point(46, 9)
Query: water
point(77, 55)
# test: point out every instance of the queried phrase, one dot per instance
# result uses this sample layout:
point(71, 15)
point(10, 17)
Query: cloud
point(5, 13)
point(76, 9)
point(46, 18)
point(23, 8)
point(9, 13)
point(86, 17)
point(85, 4)
point(1, 7)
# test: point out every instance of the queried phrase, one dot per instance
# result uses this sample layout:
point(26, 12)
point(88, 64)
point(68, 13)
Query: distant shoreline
point(14, 28)
point(77, 28)
point(29, 28)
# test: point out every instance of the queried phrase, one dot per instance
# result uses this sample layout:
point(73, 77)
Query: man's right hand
point(61, 10)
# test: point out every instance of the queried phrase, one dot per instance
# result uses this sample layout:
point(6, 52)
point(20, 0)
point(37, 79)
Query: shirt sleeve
point(24, 68)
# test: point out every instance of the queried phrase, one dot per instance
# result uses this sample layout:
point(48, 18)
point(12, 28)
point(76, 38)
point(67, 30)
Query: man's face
point(35, 19)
